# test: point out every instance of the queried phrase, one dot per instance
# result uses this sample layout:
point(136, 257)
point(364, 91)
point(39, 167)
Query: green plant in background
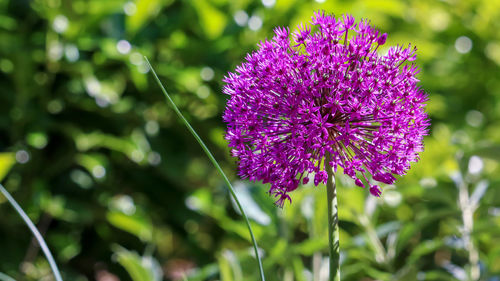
point(102, 160)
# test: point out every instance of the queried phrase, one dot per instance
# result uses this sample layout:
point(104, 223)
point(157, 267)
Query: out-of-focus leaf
point(7, 160)
point(204, 273)
point(409, 230)
point(377, 273)
point(486, 151)
point(278, 251)
point(138, 77)
point(95, 140)
point(310, 246)
point(201, 201)
point(424, 248)
point(57, 207)
point(386, 228)
point(298, 268)
point(407, 272)
point(319, 220)
point(437, 275)
point(141, 11)
point(139, 268)
point(7, 22)
point(134, 146)
point(229, 266)
point(135, 224)
point(103, 7)
point(352, 269)
point(381, 232)
point(212, 20)
point(37, 139)
point(67, 244)
point(94, 163)
point(251, 208)
point(225, 269)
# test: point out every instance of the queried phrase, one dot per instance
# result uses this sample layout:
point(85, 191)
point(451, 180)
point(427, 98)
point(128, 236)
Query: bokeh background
point(121, 190)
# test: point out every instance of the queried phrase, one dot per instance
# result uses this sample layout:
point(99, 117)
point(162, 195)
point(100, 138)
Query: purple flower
point(329, 92)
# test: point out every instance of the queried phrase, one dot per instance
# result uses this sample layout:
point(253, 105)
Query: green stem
point(333, 222)
point(216, 164)
point(468, 219)
point(35, 232)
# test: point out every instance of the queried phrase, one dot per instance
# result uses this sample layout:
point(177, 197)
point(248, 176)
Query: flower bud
point(381, 40)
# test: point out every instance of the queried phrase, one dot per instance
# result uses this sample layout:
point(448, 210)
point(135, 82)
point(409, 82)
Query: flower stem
point(217, 166)
point(468, 220)
point(333, 223)
point(35, 232)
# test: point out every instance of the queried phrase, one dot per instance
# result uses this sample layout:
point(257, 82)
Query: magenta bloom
point(327, 92)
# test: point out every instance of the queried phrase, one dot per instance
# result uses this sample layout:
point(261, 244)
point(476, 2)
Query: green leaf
point(378, 274)
point(230, 266)
point(212, 20)
point(94, 163)
point(205, 273)
point(7, 160)
point(225, 269)
point(135, 224)
point(298, 268)
point(438, 275)
point(139, 268)
point(409, 230)
point(310, 246)
point(278, 251)
point(424, 248)
point(144, 11)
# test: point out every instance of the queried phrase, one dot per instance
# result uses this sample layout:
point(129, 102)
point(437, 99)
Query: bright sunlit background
point(121, 191)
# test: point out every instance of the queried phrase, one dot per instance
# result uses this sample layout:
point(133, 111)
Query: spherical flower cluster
point(328, 92)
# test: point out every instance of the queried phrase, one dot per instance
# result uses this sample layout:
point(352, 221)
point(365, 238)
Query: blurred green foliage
point(121, 191)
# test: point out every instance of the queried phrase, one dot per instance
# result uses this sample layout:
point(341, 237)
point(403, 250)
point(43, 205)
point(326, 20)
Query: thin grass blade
point(215, 163)
point(35, 232)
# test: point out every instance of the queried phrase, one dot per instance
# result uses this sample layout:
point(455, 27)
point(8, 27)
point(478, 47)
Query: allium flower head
point(291, 103)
